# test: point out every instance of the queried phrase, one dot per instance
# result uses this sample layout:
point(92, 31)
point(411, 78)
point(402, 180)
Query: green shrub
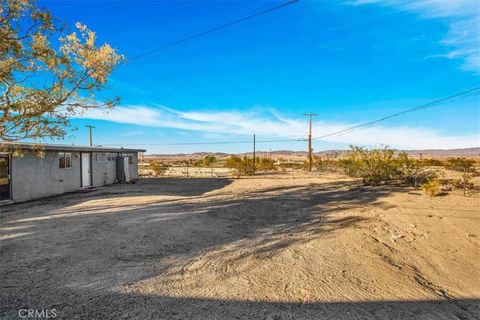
point(209, 160)
point(374, 166)
point(381, 165)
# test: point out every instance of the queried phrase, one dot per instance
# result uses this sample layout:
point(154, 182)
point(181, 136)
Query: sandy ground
point(252, 248)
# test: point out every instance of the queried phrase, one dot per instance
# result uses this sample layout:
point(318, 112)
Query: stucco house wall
point(35, 177)
point(104, 168)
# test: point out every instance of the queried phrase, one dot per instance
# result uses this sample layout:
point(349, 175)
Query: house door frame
point(9, 176)
point(86, 169)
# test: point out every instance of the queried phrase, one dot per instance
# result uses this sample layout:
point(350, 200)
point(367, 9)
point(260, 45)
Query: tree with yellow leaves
point(41, 85)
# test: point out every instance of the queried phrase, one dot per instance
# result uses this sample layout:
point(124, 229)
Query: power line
point(350, 129)
point(223, 26)
point(202, 143)
point(417, 108)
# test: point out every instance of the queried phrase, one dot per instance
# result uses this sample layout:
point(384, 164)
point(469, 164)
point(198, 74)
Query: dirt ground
point(269, 247)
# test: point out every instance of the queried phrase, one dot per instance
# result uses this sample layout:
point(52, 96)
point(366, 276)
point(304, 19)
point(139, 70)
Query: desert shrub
point(291, 165)
point(460, 164)
point(233, 162)
point(431, 162)
point(325, 164)
point(207, 161)
point(464, 165)
point(413, 171)
point(265, 164)
point(306, 165)
point(432, 187)
point(461, 184)
point(185, 162)
point(158, 168)
point(374, 166)
point(243, 166)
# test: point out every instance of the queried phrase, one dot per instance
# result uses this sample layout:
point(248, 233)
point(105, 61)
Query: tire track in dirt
point(413, 272)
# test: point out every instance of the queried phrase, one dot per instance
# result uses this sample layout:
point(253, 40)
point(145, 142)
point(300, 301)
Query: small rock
point(413, 225)
point(393, 238)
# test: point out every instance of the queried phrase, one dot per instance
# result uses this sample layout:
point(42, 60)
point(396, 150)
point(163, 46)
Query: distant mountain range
point(466, 152)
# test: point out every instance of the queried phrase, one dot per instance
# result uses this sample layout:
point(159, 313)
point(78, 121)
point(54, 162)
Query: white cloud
point(462, 18)
point(133, 133)
point(272, 124)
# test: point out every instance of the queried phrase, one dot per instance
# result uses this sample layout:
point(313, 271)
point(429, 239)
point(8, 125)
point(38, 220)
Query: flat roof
point(64, 147)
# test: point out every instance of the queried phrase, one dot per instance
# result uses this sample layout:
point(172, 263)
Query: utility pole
point(253, 152)
point(90, 129)
point(310, 158)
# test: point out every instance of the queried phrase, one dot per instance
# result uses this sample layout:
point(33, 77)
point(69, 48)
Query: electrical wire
point(223, 26)
point(343, 131)
point(417, 108)
point(204, 143)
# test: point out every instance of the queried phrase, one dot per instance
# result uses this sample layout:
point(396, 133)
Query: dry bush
point(381, 165)
point(432, 187)
point(158, 168)
point(467, 167)
point(265, 164)
point(207, 161)
point(430, 162)
point(291, 165)
point(460, 164)
point(325, 164)
point(413, 171)
point(374, 166)
point(243, 166)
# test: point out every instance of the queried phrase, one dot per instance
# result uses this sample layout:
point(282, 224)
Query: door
point(126, 162)
point(86, 170)
point(4, 177)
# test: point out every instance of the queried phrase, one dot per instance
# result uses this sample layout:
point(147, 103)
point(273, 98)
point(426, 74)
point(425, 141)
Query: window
point(112, 156)
point(64, 160)
point(130, 159)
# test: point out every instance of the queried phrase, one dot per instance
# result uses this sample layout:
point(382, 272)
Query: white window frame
point(65, 156)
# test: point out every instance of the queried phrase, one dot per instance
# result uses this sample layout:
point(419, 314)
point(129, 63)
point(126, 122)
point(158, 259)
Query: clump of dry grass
point(432, 187)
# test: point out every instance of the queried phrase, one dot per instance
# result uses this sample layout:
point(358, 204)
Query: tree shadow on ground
point(178, 187)
point(142, 307)
point(155, 307)
point(74, 258)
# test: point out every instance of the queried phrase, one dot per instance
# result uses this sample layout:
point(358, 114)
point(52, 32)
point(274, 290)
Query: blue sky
point(348, 61)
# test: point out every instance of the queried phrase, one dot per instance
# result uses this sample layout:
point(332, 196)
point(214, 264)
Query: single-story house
point(30, 171)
